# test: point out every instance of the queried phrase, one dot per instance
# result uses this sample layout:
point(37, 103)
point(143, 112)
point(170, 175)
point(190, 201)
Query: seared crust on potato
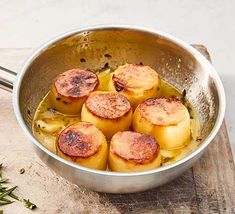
point(162, 111)
point(134, 147)
point(109, 111)
point(132, 151)
point(136, 82)
point(83, 143)
point(167, 119)
point(74, 142)
point(108, 105)
point(71, 89)
point(76, 83)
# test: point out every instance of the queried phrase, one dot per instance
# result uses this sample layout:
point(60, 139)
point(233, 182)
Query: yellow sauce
point(48, 122)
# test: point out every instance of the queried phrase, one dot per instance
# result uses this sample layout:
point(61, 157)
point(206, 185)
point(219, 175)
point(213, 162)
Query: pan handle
point(7, 78)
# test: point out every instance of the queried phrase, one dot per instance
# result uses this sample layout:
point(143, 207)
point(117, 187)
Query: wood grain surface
point(209, 187)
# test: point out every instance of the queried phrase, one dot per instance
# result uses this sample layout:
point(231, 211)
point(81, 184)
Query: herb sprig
point(29, 204)
point(6, 194)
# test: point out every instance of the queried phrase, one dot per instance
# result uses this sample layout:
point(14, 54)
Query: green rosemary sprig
point(2, 180)
point(29, 204)
point(6, 193)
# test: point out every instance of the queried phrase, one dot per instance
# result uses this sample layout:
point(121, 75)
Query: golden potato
point(71, 89)
point(109, 111)
point(132, 151)
point(167, 119)
point(84, 144)
point(49, 126)
point(136, 82)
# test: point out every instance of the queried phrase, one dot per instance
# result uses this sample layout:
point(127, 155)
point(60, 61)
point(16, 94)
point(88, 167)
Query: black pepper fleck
point(184, 93)
point(82, 60)
point(108, 55)
point(106, 65)
point(22, 171)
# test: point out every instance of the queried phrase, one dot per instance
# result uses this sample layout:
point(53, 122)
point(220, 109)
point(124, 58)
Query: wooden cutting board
point(208, 187)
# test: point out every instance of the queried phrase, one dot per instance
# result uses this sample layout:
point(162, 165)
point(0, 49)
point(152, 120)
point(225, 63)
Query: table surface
point(209, 187)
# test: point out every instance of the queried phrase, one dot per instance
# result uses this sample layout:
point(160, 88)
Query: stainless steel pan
point(94, 47)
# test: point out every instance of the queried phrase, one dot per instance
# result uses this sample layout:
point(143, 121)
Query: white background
point(29, 23)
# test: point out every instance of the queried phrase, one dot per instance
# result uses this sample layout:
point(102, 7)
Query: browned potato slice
point(109, 111)
point(167, 120)
point(84, 144)
point(136, 82)
point(132, 151)
point(71, 89)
